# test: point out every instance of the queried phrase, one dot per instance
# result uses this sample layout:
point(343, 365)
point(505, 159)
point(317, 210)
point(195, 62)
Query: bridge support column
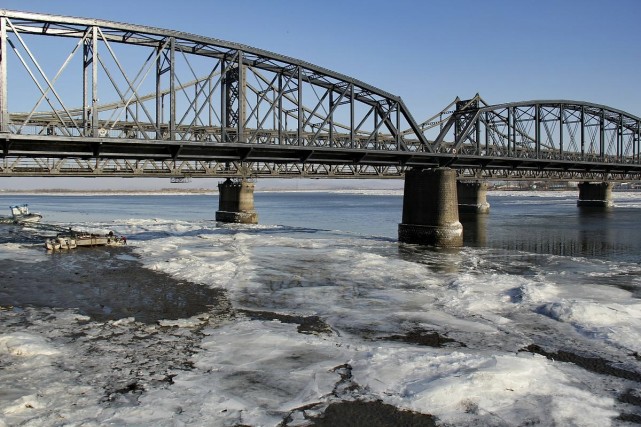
point(472, 197)
point(236, 202)
point(430, 208)
point(595, 194)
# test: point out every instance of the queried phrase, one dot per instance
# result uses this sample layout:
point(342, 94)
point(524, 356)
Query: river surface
point(535, 321)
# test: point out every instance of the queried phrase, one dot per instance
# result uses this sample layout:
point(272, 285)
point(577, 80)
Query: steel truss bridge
point(86, 97)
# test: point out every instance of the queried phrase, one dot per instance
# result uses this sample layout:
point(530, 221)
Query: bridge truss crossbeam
point(141, 83)
point(187, 169)
point(85, 97)
point(556, 130)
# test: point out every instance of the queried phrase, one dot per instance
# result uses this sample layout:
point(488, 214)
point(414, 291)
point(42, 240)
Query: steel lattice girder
point(556, 130)
point(185, 73)
point(182, 98)
point(144, 167)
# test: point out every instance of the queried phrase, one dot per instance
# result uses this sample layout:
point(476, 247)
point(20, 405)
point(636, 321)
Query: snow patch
point(457, 385)
point(24, 344)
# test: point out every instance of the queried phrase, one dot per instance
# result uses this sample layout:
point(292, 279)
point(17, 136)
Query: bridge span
point(86, 97)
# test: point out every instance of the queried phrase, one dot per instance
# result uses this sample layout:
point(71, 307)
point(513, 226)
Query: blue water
point(548, 225)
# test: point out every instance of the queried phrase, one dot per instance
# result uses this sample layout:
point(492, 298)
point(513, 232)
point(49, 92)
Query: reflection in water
point(545, 228)
point(562, 246)
point(474, 228)
point(598, 232)
point(439, 260)
point(562, 229)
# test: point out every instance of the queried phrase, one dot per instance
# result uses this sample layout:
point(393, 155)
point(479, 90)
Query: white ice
point(351, 287)
point(256, 372)
point(466, 389)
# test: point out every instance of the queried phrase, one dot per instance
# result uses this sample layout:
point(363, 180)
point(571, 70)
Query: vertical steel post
point(582, 133)
point(280, 109)
point(331, 118)
point(94, 83)
point(351, 115)
point(273, 108)
point(172, 89)
point(561, 124)
point(223, 98)
point(620, 138)
point(85, 86)
point(510, 126)
point(398, 126)
point(478, 135)
point(487, 133)
point(602, 134)
point(158, 94)
point(240, 126)
point(375, 129)
point(537, 130)
point(4, 112)
point(210, 106)
point(637, 141)
point(299, 126)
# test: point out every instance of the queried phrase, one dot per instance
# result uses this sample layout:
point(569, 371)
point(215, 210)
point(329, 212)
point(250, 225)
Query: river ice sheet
point(377, 299)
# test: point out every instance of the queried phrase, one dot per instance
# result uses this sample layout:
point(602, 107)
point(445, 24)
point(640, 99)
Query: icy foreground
point(319, 317)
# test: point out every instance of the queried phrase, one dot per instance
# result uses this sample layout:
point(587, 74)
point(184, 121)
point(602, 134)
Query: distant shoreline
point(214, 192)
point(185, 192)
point(63, 192)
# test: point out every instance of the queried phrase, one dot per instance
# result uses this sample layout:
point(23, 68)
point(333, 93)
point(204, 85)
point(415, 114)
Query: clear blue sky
point(427, 52)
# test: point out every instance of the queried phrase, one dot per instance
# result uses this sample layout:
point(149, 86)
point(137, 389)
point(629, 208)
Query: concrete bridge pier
point(595, 194)
point(236, 202)
point(472, 197)
point(430, 209)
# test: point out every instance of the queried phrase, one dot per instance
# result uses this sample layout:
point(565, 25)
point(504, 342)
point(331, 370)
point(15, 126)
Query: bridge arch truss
point(86, 97)
point(91, 97)
point(551, 139)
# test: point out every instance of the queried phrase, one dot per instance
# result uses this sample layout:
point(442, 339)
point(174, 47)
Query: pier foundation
point(472, 197)
point(430, 209)
point(236, 202)
point(595, 194)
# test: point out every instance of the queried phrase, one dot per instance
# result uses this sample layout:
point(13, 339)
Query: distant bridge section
point(552, 139)
point(86, 97)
